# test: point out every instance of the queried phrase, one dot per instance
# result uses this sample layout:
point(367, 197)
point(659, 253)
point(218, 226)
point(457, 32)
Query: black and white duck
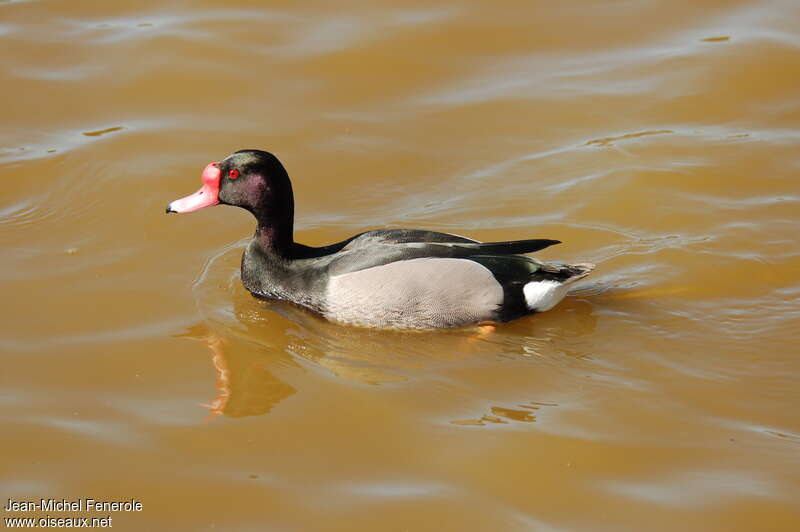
point(389, 278)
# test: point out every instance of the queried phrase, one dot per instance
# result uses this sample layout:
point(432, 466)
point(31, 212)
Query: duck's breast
point(417, 294)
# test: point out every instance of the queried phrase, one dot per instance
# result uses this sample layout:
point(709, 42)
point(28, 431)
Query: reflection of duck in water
point(247, 370)
point(261, 358)
point(388, 278)
point(245, 384)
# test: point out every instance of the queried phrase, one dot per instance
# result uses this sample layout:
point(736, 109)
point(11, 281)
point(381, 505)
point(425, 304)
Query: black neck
point(275, 238)
point(275, 230)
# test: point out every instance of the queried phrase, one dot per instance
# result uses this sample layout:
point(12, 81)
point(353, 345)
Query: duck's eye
point(233, 174)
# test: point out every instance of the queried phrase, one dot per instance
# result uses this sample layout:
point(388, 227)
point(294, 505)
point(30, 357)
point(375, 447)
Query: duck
point(383, 278)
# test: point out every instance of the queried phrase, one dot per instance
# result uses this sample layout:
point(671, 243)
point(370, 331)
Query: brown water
point(658, 140)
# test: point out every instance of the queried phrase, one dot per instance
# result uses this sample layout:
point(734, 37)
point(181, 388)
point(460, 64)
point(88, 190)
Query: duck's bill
point(207, 196)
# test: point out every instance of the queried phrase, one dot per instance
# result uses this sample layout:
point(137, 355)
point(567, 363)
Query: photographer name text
point(74, 505)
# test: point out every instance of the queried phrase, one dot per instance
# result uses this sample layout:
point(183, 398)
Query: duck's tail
point(543, 293)
point(577, 271)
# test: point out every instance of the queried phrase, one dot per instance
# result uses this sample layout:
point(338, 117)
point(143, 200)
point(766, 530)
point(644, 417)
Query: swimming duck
point(389, 278)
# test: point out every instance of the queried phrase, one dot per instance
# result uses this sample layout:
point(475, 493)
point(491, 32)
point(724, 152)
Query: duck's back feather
point(376, 248)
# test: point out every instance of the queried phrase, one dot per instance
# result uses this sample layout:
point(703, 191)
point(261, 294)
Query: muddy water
point(659, 141)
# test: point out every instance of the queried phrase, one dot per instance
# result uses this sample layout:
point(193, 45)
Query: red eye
point(233, 174)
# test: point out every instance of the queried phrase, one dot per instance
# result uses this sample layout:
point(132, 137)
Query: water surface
point(657, 140)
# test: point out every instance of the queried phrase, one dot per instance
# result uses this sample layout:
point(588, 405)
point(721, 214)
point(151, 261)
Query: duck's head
point(252, 179)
